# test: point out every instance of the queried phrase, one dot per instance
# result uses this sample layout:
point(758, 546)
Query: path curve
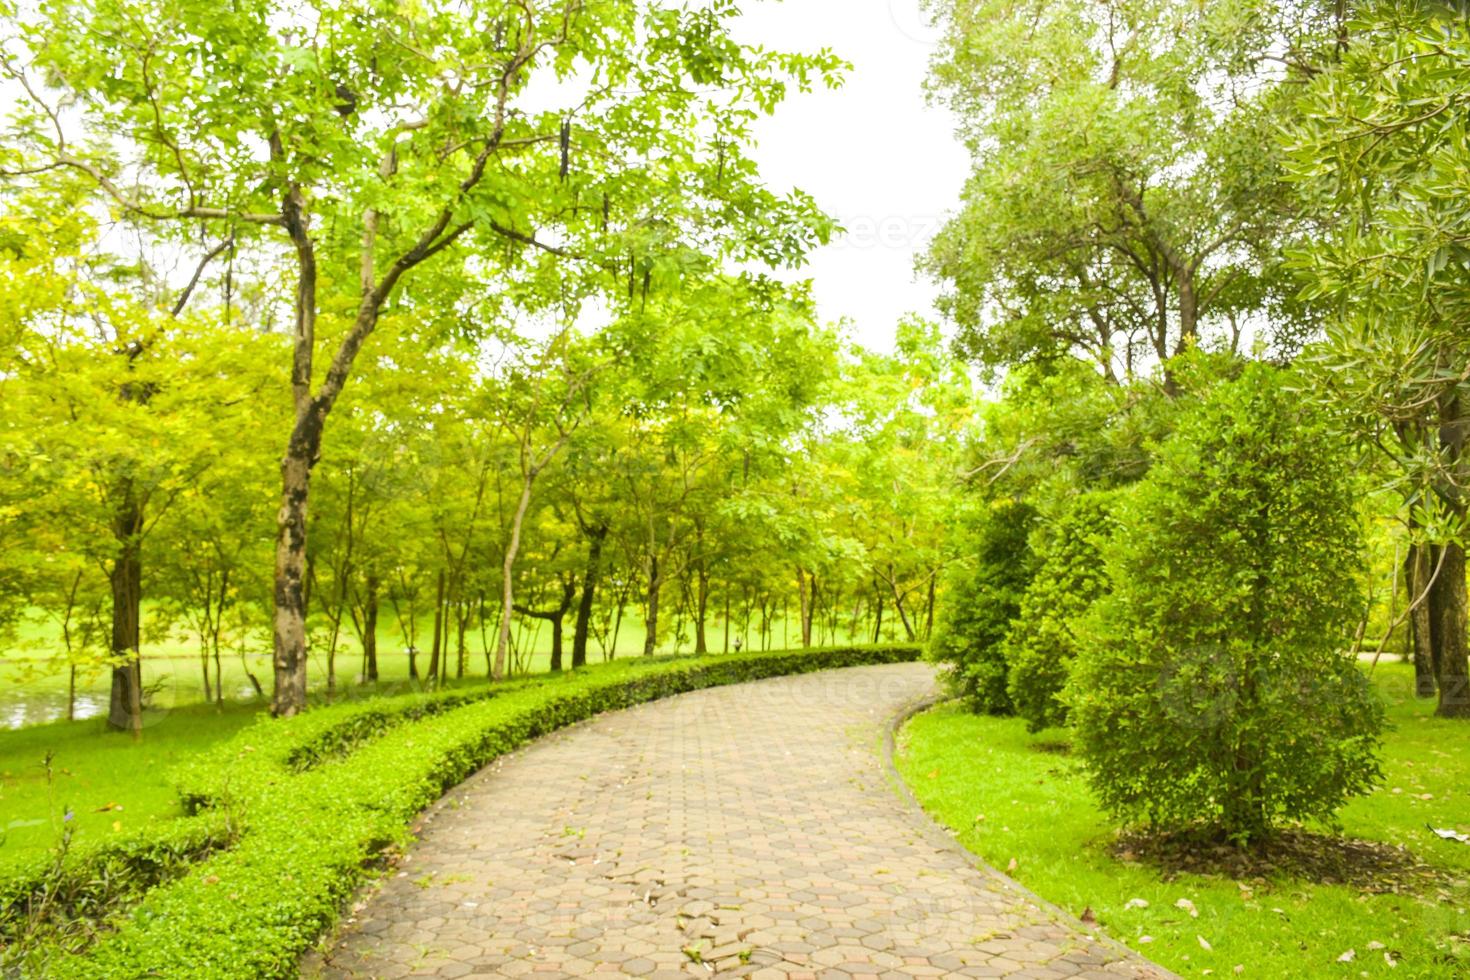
point(737, 831)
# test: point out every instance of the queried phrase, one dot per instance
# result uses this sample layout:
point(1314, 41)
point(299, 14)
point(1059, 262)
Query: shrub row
point(58, 900)
point(311, 833)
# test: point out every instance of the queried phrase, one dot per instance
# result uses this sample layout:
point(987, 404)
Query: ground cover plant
point(1021, 802)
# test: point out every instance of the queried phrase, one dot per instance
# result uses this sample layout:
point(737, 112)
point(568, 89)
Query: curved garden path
point(748, 830)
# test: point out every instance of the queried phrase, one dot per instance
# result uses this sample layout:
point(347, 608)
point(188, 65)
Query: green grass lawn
point(1011, 796)
point(108, 781)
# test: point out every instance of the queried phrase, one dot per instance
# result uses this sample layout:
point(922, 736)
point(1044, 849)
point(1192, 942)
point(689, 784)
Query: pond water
point(19, 709)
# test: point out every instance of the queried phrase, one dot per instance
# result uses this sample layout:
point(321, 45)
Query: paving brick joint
point(744, 831)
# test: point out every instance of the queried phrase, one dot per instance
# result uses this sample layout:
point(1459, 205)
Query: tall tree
point(366, 141)
point(1382, 148)
point(1125, 200)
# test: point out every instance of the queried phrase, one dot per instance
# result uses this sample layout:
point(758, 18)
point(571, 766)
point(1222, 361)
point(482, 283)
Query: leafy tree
point(1213, 689)
point(981, 598)
point(1042, 642)
point(1125, 201)
point(366, 141)
point(1381, 147)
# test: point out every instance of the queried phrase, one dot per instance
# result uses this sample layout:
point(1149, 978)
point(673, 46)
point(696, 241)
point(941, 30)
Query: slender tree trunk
point(204, 629)
point(1188, 311)
point(219, 627)
point(727, 619)
point(1447, 597)
point(805, 610)
point(125, 708)
point(461, 624)
point(701, 608)
point(903, 616)
point(290, 581)
point(878, 621)
point(507, 582)
point(650, 628)
point(370, 630)
point(929, 609)
point(612, 646)
point(438, 630)
point(590, 576)
point(1418, 567)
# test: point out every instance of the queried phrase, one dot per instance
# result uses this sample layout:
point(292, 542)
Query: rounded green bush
point(980, 599)
point(1212, 690)
point(1042, 642)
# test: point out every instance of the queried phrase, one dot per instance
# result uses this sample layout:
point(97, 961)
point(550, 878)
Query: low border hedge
point(318, 800)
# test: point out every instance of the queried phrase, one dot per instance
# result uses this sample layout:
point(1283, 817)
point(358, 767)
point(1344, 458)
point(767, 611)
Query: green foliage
point(981, 597)
point(1212, 689)
point(1125, 199)
point(57, 900)
point(1381, 150)
point(1042, 642)
point(316, 800)
point(1009, 796)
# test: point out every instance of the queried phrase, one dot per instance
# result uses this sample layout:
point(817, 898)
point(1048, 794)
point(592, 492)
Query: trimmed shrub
point(317, 801)
point(1212, 691)
point(980, 599)
point(1042, 643)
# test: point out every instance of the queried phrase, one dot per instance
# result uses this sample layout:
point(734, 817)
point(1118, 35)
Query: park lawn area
point(92, 769)
point(1013, 796)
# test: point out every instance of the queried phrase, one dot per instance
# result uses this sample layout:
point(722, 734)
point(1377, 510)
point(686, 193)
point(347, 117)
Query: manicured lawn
point(92, 769)
point(1012, 796)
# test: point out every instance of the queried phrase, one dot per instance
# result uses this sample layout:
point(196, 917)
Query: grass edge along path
point(303, 810)
point(1011, 796)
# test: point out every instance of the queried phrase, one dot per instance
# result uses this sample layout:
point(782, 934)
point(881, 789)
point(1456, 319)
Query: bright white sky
point(879, 159)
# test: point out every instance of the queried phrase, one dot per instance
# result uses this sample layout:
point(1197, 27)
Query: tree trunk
point(806, 610)
point(370, 630)
point(590, 577)
point(438, 631)
point(650, 628)
point(507, 584)
point(125, 708)
point(1447, 597)
point(929, 608)
point(1418, 567)
point(878, 620)
point(701, 608)
point(219, 625)
point(290, 582)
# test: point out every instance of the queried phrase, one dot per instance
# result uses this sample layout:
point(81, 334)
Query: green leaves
point(1125, 201)
point(1213, 689)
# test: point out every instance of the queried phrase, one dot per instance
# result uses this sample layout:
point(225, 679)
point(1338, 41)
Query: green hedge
point(57, 900)
point(317, 801)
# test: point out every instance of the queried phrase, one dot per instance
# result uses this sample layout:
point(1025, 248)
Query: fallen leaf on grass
point(1204, 943)
point(1187, 906)
point(109, 807)
point(1136, 903)
point(1348, 957)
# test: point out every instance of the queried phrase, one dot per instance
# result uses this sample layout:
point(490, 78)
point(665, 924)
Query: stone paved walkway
point(739, 831)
